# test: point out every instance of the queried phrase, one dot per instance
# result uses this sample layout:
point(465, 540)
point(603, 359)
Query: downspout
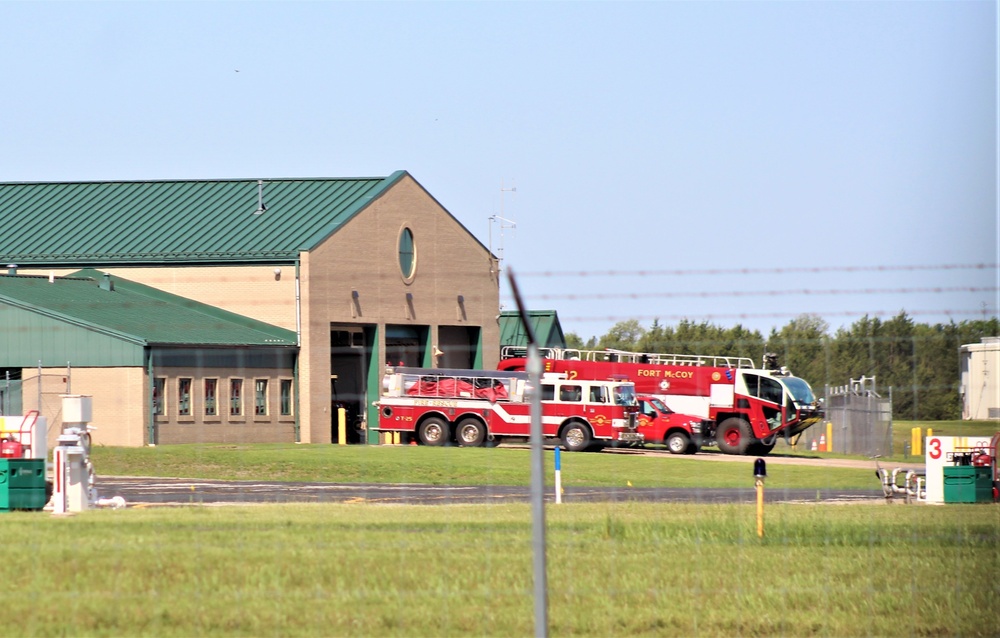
point(150, 426)
point(298, 307)
point(295, 385)
point(298, 353)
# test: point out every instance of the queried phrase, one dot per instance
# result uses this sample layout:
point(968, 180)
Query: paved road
point(139, 491)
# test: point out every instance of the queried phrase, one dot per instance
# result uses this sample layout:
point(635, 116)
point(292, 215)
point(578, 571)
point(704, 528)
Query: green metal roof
point(545, 324)
point(151, 222)
point(136, 313)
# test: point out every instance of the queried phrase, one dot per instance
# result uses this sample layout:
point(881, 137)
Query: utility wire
point(751, 271)
point(759, 293)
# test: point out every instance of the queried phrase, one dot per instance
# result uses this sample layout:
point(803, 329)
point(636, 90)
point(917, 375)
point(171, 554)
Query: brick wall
point(117, 396)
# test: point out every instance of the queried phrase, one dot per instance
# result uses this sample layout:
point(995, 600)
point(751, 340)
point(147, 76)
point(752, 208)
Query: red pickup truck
point(681, 433)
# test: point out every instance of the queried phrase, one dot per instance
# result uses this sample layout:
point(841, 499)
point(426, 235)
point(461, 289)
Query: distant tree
point(624, 335)
point(741, 342)
point(576, 342)
point(698, 338)
point(801, 347)
point(852, 351)
point(703, 339)
point(654, 338)
point(936, 379)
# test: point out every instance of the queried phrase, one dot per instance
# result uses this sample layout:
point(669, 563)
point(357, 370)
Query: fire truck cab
point(680, 433)
point(472, 407)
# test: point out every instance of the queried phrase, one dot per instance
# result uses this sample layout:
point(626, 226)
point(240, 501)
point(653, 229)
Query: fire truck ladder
point(625, 356)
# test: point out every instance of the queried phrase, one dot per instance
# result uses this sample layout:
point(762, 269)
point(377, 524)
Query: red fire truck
point(750, 407)
point(471, 407)
point(681, 433)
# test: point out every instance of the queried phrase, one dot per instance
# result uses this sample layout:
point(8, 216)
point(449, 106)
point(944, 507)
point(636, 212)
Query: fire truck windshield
point(660, 405)
point(800, 390)
point(625, 395)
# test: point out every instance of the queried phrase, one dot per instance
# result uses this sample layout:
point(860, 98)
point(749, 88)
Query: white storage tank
point(980, 385)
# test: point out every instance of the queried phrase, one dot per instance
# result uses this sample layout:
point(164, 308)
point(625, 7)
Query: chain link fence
point(859, 418)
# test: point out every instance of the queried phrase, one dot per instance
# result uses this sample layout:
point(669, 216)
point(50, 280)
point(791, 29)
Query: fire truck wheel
point(434, 431)
point(734, 436)
point(678, 443)
point(470, 433)
point(759, 448)
point(576, 437)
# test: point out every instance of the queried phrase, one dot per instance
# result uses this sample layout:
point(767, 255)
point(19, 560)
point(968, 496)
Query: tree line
point(919, 362)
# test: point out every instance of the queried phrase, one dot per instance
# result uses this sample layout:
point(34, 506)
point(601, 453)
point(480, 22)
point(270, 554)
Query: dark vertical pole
point(534, 368)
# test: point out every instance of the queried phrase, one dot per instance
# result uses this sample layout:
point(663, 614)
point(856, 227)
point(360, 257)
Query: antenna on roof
point(261, 206)
point(504, 223)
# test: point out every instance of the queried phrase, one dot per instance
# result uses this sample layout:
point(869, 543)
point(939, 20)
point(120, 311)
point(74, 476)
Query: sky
point(726, 162)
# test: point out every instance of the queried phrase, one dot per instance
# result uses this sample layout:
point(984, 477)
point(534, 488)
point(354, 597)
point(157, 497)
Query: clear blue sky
point(830, 148)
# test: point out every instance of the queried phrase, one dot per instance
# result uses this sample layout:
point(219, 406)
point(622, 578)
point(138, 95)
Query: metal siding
point(545, 324)
point(27, 337)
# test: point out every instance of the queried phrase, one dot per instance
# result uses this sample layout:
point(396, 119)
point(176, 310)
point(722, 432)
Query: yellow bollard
point(760, 507)
point(915, 439)
point(395, 438)
point(341, 426)
point(759, 474)
point(829, 436)
point(930, 432)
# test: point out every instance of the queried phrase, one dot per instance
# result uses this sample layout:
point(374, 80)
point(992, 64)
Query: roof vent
point(11, 269)
point(261, 206)
point(106, 283)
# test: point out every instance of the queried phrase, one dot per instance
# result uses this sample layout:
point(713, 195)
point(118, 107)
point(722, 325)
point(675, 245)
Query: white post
point(59, 480)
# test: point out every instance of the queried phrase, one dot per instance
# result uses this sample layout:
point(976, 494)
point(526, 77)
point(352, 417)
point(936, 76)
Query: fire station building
point(234, 310)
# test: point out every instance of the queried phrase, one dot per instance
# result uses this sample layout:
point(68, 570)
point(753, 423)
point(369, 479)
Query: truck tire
point(433, 432)
point(470, 432)
point(734, 436)
point(760, 448)
point(576, 437)
point(678, 443)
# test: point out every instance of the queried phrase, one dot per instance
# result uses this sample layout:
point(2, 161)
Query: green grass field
point(614, 569)
point(457, 466)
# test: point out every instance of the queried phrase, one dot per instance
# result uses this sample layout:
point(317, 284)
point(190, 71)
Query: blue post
point(558, 476)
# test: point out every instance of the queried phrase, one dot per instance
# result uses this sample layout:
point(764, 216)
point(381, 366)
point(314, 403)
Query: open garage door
point(406, 346)
point(459, 346)
point(349, 353)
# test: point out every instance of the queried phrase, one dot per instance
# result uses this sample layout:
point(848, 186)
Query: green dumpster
point(968, 484)
point(22, 484)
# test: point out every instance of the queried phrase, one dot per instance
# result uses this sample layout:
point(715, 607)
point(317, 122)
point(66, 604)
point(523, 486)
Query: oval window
point(407, 254)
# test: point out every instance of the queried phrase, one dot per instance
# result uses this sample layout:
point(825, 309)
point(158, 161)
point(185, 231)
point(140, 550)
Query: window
point(625, 395)
point(770, 390)
point(211, 389)
point(286, 397)
point(598, 394)
point(570, 393)
point(235, 397)
point(159, 384)
point(407, 254)
point(548, 393)
point(260, 397)
point(184, 397)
